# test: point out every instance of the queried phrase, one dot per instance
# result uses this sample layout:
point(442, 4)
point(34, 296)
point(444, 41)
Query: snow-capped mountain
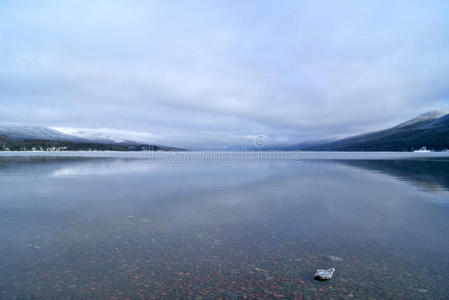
point(20, 138)
point(436, 114)
point(430, 130)
point(72, 135)
point(107, 136)
point(35, 133)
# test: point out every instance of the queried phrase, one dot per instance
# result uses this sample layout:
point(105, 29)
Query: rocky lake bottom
point(123, 228)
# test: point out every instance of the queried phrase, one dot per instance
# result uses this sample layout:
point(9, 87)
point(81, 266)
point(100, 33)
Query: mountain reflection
point(430, 174)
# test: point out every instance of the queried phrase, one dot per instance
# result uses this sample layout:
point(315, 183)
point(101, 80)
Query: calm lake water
point(127, 227)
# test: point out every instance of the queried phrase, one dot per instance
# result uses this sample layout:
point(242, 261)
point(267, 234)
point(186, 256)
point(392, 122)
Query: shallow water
point(123, 227)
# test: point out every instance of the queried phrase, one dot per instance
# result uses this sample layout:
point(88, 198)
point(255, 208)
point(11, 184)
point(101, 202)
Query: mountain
point(425, 117)
point(430, 130)
point(105, 136)
point(35, 133)
point(20, 138)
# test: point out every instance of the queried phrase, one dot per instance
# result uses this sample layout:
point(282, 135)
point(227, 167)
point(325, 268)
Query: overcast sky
point(219, 72)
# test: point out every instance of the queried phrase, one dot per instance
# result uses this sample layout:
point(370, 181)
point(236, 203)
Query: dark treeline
point(8, 144)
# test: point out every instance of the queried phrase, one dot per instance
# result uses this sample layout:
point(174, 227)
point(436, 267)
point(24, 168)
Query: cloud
point(215, 73)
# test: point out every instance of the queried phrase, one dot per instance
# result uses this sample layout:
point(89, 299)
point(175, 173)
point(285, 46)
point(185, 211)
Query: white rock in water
point(322, 274)
point(334, 258)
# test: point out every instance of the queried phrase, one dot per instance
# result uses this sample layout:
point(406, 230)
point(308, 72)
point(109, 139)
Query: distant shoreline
point(193, 157)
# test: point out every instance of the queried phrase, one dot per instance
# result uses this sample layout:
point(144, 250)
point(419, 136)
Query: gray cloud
point(195, 73)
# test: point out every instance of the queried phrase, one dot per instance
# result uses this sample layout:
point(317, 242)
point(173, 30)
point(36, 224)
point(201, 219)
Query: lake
point(229, 225)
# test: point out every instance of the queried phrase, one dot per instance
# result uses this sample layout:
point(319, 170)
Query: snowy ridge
point(102, 136)
point(107, 135)
point(35, 133)
point(425, 117)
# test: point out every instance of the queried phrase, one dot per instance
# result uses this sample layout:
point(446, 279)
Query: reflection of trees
point(426, 173)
